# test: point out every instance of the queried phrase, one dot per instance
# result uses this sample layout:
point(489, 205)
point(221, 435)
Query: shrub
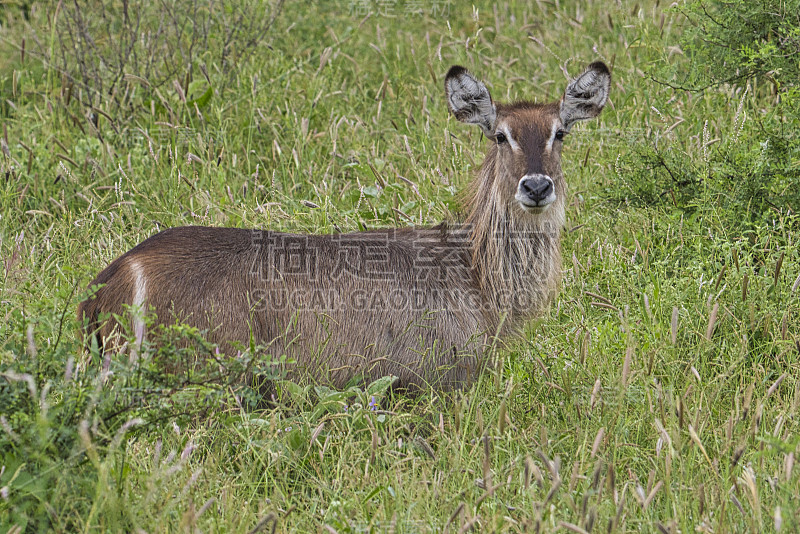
point(128, 54)
point(65, 414)
point(746, 51)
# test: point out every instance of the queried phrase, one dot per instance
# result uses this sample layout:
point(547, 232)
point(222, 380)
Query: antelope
point(423, 304)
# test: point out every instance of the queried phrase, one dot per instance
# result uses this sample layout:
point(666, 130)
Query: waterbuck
point(422, 304)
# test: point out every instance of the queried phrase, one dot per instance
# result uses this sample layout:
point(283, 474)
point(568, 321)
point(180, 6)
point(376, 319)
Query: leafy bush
point(737, 41)
point(68, 419)
point(127, 54)
point(745, 52)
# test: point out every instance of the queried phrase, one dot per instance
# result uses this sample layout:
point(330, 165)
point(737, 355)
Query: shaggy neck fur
point(516, 255)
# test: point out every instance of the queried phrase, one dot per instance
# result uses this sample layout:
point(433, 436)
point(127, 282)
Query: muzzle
point(535, 192)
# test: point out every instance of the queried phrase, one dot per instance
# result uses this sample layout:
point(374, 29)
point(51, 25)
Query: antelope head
point(523, 165)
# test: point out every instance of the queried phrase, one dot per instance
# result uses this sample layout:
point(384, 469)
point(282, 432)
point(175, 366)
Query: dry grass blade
point(553, 490)
point(788, 466)
point(316, 433)
point(745, 281)
point(502, 416)
point(719, 277)
point(192, 158)
point(696, 440)
point(453, 516)
point(488, 493)
point(597, 440)
point(598, 297)
point(262, 524)
point(572, 527)
point(67, 158)
point(532, 471)
point(620, 507)
point(775, 386)
point(137, 79)
point(206, 506)
point(652, 495)
point(551, 465)
point(422, 444)
point(595, 394)
point(604, 305)
point(626, 366)
point(695, 373)
point(469, 525)
point(738, 504)
point(663, 432)
point(749, 477)
point(712, 321)
point(674, 326)
point(324, 57)
point(487, 465)
point(587, 339)
point(778, 268)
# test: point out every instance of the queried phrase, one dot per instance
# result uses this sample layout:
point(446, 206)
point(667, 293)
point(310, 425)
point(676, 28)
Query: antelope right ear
point(469, 99)
point(586, 95)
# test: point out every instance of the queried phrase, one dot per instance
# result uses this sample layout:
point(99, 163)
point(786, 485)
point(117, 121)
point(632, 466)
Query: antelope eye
point(560, 134)
point(500, 138)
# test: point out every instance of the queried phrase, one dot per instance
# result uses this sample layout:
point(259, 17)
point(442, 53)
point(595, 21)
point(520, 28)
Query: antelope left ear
point(586, 95)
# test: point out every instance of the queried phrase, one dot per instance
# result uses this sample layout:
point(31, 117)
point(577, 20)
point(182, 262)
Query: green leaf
point(295, 391)
point(381, 385)
point(372, 494)
point(201, 101)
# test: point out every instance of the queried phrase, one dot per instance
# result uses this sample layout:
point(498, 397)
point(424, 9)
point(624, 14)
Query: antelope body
point(417, 303)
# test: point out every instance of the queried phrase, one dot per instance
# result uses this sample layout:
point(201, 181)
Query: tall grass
point(659, 393)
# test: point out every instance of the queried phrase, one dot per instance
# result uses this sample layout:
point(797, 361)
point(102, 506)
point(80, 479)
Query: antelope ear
point(469, 99)
point(586, 95)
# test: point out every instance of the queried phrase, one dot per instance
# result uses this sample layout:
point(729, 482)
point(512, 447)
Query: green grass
point(659, 393)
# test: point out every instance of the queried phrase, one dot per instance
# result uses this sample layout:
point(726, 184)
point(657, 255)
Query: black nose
point(536, 189)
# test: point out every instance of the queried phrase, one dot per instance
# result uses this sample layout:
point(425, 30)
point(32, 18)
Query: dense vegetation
point(660, 391)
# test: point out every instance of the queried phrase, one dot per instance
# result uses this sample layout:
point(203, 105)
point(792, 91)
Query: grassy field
point(660, 392)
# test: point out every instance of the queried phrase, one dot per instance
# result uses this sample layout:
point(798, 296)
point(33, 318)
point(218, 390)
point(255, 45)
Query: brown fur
point(417, 303)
